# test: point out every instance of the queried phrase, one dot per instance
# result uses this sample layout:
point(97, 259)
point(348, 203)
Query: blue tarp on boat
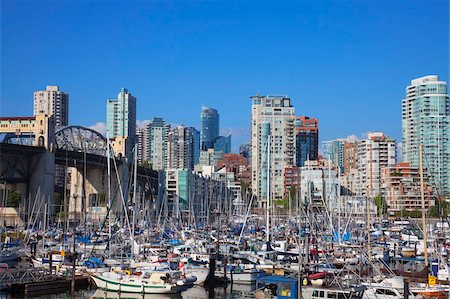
point(344, 237)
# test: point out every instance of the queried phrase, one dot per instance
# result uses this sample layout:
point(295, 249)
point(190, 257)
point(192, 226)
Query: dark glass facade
point(209, 127)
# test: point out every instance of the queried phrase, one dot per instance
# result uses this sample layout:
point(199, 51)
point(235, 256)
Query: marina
point(341, 247)
point(313, 249)
point(124, 182)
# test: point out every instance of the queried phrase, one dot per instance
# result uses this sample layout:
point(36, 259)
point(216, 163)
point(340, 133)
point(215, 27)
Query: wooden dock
point(36, 281)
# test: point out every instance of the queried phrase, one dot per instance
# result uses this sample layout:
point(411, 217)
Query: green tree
point(381, 204)
point(405, 213)
point(101, 199)
point(282, 203)
point(441, 209)
point(433, 212)
point(13, 199)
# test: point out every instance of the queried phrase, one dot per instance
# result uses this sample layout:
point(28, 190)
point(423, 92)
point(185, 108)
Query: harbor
point(301, 257)
point(321, 242)
point(224, 149)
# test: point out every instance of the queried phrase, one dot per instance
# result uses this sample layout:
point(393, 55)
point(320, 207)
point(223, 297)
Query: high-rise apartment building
point(272, 117)
point(210, 158)
point(374, 153)
point(181, 148)
point(306, 139)
point(246, 151)
point(209, 127)
point(153, 143)
point(52, 102)
point(400, 187)
point(426, 122)
point(334, 150)
point(291, 179)
point(196, 140)
point(223, 144)
point(140, 132)
point(121, 119)
point(350, 156)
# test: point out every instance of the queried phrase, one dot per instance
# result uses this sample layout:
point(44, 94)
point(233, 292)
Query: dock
point(36, 281)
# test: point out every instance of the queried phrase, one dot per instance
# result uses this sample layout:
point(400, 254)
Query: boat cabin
point(319, 292)
point(278, 286)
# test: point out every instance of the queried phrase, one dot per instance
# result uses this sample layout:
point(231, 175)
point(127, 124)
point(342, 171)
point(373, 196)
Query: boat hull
point(130, 287)
point(200, 273)
point(8, 258)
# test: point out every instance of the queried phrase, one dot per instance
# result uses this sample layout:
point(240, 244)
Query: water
point(231, 292)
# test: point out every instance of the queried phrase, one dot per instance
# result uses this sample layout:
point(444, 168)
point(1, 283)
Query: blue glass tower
point(209, 127)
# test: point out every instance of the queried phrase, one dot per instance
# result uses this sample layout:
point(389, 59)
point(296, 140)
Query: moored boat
point(147, 282)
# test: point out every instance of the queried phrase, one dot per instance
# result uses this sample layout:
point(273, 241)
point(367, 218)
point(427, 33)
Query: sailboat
point(160, 281)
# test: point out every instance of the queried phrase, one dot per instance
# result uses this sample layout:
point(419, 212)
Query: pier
point(34, 281)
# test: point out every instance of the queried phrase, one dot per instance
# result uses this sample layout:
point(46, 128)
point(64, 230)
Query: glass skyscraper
point(209, 127)
point(121, 117)
point(306, 139)
point(334, 150)
point(426, 121)
point(223, 144)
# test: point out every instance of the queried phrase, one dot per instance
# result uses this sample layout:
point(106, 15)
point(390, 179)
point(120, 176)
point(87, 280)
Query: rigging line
point(113, 199)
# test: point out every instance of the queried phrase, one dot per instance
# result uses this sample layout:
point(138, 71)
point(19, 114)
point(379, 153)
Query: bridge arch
point(80, 139)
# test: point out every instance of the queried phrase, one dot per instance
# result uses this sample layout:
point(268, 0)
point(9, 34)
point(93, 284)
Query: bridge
point(32, 159)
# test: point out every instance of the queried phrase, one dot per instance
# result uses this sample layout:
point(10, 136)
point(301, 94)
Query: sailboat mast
point(368, 228)
point(45, 226)
point(268, 194)
point(109, 193)
point(422, 197)
point(134, 197)
point(339, 206)
point(330, 204)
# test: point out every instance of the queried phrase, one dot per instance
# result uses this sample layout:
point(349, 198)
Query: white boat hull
point(200, 272)
point(131, 287)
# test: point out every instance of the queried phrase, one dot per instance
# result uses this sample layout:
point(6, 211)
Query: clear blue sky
point(345, 62)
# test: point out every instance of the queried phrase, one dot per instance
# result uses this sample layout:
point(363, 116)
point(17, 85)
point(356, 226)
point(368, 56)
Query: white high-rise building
point(181, 148)
point(426, 122)
point(373, 154)
point(52, 102)
point(121, 120)
point(153, 143)
point(271, 116)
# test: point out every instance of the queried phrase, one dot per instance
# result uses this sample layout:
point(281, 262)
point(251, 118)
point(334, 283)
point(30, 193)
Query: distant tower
point(154, 142)
point(181, 148)
point(306, 139)
point(209, 127)
point(426, 121)
point(223, 144)
point(52, 102)
point(274, 116)
point(376, 152)
point(121, 119)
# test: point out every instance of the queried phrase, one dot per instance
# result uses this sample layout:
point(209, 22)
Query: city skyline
point(330, 65)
